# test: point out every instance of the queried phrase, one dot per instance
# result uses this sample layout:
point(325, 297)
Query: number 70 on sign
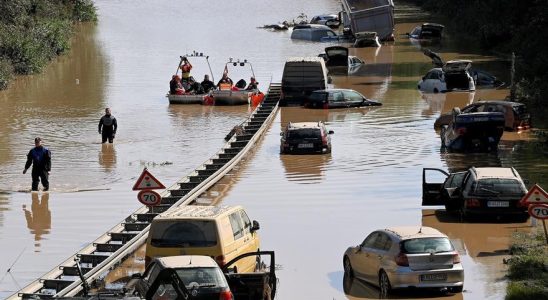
point(149, 197)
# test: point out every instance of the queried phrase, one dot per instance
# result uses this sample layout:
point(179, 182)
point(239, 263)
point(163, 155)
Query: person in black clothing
point(207, 84)
point(195, 87)
point(252, 84)
point(109, 126)
point(40, 159)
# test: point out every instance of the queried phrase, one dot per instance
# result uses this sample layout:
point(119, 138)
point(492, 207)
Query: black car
point(305, 137)
point(338, 98)
point(477, 191)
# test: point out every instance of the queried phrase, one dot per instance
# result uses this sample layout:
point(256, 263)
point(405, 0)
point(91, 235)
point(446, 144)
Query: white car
point(406, 257)
point(453, 76)
point(328, 20)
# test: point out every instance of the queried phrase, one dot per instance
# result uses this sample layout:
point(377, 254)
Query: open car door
point(259, 285)
point(431, 191)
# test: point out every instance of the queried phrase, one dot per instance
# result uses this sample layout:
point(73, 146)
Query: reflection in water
point(486, 243)
point(305, 168)
point(358, 289)
point(39, 217)
point(107, 156)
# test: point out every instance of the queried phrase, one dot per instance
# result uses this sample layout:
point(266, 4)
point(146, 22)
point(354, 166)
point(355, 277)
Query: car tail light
point(226, 295)
point(456, 258)
point(461, 130)
point(472, 203)
point(326, 105)
point(220, 260)
point(401, 260)
point(324, 139)
point(147, 260)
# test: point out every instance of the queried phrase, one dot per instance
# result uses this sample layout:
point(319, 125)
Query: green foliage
point(524, 290)
point(6, 73)
point(32, 32)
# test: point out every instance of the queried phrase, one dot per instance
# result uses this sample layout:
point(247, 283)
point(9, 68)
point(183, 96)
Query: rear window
point(192, 233)
point(427, 245)
point(307, 133)
point(520, 109)
point(498, 186)
point(203, 277)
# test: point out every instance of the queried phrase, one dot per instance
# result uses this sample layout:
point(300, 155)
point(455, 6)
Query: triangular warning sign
point(147, 182)
point(535, 195)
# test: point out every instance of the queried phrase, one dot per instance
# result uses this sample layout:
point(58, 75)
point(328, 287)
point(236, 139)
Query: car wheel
point(348, 267)
point(384, 284)
point(455, 289)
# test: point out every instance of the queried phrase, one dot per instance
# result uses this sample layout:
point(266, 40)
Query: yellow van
point(222, 232)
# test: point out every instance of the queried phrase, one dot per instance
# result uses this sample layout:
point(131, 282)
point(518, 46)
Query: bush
point(6, 73)
point(524, 290)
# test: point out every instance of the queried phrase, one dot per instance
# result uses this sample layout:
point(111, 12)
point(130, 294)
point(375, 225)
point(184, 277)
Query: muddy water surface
point(311, 208)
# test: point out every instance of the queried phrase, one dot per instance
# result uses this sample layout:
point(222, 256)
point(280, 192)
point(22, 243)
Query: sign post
point(146, 183)
point(537, 200)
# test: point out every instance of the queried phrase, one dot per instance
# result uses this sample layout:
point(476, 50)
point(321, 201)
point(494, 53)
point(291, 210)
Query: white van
point(302, 76)
point(221, 232)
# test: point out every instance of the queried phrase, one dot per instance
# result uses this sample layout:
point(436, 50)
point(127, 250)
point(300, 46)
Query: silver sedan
point(405, 257)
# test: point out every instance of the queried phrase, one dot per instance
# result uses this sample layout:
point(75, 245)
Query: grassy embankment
point(33, 32)
point(528, 267)
point(505, 26)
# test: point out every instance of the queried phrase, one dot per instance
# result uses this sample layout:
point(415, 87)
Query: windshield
point(186, 233)
point(498, 186)
point(202, 277)
point(427, 245)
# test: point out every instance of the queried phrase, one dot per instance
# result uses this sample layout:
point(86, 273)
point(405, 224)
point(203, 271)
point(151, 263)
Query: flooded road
point(311, 208)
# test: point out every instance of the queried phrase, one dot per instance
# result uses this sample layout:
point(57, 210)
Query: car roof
point(312, 27)
point(414, 232)
point(301, 125)
point(305, 59)
point(459, 61)
point(195, 212)
point(482, 173)
point(186, 261)
point(332, 90)
point(327, 15)
point(501, 102)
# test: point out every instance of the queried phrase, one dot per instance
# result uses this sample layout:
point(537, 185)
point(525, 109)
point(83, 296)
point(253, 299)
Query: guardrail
point(120, 241)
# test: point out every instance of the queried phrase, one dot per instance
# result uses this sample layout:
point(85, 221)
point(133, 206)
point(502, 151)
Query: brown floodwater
point(311, 208)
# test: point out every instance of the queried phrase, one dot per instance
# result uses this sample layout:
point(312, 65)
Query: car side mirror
point(526, 181)
point(331, 132)
point(423, 77)
point(255, 226)
point(281, 134)
point(137, 276)
point(329, 79)
point(407, 33)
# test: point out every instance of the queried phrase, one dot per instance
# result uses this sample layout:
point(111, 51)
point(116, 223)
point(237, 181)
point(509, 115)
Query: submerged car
point(338, 98)
point(516, 116)
point(484, 79)
point(453, 76)
point(305, 137)
point(200, 275)
point(328, 20)
point(314, 32)
point(477, 191)
point(406, 257)
point(427, 31)
point(339, 62)
point(472, 132)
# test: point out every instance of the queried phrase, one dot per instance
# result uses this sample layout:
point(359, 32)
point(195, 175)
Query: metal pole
point(545, 232)
point(512, 79)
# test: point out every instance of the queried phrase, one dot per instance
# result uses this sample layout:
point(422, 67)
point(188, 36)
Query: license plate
point(434, 277)
point(481, 119)
point(309, 145)
point(498, 204)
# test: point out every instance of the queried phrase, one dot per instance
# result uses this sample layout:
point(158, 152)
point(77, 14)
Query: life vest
point(225, 86)
point(186, 71)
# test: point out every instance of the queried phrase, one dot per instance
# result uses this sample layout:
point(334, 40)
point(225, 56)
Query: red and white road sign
point(149, 197)
point(147, 182)
point(535, 195)
point(539, 211)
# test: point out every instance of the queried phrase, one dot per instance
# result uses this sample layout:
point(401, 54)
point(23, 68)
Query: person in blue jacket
point(40, 159)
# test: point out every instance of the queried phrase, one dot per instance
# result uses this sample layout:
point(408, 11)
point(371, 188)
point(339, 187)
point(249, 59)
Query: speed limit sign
point(539, 211)
point(149, 197)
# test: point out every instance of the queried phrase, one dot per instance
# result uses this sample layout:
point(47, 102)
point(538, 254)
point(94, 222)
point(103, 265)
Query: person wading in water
point(109, 126)
point(40, 159)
